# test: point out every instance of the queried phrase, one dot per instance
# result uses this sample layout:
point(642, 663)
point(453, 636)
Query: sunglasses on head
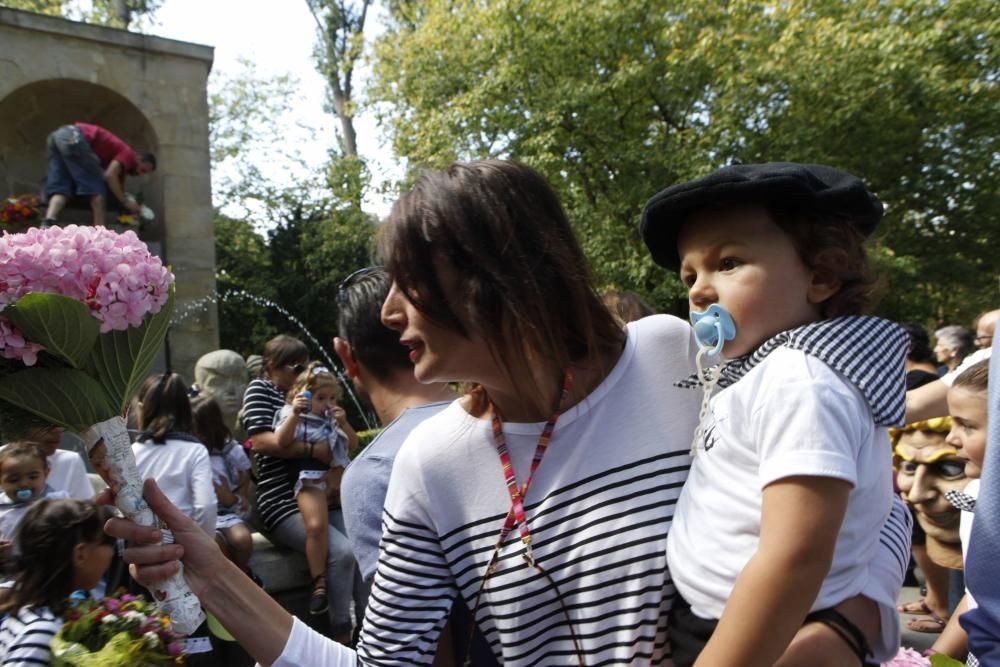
point(349, 280)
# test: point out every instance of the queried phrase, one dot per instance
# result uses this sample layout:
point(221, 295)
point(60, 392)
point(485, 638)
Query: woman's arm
point(800, 521)
point(259, 624)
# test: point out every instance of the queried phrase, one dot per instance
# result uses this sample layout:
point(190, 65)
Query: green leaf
point(942, 660)
point(63, 325)
point(64, 396)
point(121, 359)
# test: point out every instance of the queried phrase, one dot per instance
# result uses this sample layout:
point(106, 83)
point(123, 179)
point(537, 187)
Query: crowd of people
point(564, 477)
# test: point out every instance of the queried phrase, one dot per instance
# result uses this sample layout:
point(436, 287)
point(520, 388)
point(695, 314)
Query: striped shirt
point(26, 637)
point(599, 509)
point(275, 500)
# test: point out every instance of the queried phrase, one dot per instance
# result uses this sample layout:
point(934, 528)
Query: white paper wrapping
point(115, 463)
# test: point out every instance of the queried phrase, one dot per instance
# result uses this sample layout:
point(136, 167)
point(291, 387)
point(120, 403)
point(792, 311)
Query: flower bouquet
point(122, 631)
point(19, 212)
point(83, 312)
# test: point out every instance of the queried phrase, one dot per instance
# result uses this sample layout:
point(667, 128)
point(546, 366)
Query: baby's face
point(738, 257)
point(324, 400)
point(23, 478)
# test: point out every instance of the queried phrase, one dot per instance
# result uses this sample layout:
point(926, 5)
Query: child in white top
point(231, 478)
point(791, 478)
point(24, 469)
point(312, 416)
point(970, 425)
point(69, 552)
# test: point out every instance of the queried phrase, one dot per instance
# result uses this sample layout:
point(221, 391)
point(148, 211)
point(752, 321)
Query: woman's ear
point(825, 281)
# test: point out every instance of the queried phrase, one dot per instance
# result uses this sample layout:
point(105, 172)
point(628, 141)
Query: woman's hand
point(152, 562)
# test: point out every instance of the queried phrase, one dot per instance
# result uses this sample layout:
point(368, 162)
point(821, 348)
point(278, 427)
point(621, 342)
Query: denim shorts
point(74, 169)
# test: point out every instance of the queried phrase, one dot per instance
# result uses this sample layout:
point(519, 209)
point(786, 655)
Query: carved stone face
point(222, 375)
point(930, 467)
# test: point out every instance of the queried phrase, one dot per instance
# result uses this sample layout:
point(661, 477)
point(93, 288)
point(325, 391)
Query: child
point(24, 469)
point(69, 552)
point(230, 476)
point(167, 450)
point(307, 418)
point(970, 421)
point(790, 484)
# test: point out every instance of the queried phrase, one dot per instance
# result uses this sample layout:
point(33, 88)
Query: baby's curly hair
point(834, 247)
point(315, 375)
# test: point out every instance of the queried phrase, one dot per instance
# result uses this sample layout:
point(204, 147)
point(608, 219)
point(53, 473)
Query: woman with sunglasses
point(285, 358)
point(544, 496)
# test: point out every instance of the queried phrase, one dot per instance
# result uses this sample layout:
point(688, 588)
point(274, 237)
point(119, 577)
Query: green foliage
point(113, 13)
point(63, 325)
point(63, 396)
point(614, 100)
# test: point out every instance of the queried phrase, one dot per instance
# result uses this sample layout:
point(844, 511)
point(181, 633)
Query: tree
point(615, 99)
point(114, 13)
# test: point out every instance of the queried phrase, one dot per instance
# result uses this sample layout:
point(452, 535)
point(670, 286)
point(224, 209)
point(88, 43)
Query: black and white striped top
point(599, 510)
point(275, 500)
point(26, 637)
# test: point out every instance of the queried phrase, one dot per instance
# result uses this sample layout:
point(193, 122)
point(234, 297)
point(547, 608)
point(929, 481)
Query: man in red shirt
point(86, 161)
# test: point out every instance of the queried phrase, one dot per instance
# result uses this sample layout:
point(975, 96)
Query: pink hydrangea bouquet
point(83, 312)
point(118, 631)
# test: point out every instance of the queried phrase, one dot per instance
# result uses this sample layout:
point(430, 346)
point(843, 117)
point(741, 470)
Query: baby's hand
point(301, 403)
point(339, 415)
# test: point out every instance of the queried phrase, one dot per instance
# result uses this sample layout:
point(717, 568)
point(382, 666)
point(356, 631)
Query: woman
point(953, 344)
point(491, 289)
point(285, 358)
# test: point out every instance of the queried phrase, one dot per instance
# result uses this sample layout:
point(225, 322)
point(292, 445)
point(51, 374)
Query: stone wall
point(149, 91)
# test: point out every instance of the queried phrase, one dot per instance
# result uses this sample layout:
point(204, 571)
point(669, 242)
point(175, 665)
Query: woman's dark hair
point(23, 449)
point(164, 407)
point(48, 533)
point(920, 344)
point(284, 350)
point(359, 322)
point(522, 282)
point(833, 247)
point(976, 378)
point(626, 306)
point(209, 424)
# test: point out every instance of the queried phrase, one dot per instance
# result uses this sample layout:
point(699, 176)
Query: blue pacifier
point(24, 494)
point(712, 328)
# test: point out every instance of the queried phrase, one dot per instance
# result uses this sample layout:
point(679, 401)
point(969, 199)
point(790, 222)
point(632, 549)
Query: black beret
point(825, 190)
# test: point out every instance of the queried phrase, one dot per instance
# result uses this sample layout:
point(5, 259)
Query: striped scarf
point(868, 351)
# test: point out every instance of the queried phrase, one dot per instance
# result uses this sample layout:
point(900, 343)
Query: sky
point(280, 41)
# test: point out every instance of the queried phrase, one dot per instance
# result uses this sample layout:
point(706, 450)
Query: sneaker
point(318, 601)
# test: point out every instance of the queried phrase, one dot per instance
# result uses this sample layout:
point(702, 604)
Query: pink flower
point(907, 657)
point(114, 274)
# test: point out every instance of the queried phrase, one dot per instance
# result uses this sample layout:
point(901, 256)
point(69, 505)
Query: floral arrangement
point(120, 631)
point(20, 211)
point(907, 657)
point(83, 312)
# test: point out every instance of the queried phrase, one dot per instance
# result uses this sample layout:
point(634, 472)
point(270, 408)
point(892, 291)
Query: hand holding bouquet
point(83, 312)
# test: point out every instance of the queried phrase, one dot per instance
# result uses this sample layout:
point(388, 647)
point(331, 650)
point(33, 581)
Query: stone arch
point(29, 113)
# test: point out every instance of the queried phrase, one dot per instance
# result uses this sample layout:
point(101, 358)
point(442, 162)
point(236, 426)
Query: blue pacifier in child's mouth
point(712, 328)
point(24, 494)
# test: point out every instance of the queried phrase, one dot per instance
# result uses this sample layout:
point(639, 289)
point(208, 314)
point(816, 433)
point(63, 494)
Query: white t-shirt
point(790, 415)
point(183, 472)
point(965, 532)
point(68, 473)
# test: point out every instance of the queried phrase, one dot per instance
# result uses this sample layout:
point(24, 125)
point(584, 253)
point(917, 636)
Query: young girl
point(167, 450)
point(231, 478)
point(69, 552)
point(312, 416)
point(24, 469)
point(970, 426)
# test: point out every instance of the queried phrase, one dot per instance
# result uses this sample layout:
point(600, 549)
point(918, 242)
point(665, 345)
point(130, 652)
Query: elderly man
point(985, 325)
point(87, 161)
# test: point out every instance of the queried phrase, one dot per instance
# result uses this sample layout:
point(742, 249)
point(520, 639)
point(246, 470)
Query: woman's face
point(944, 352)
point(929, 468)
point(283, 375)
point(438, 354)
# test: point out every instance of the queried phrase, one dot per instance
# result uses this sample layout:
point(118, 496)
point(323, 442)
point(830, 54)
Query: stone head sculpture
point(222, 374)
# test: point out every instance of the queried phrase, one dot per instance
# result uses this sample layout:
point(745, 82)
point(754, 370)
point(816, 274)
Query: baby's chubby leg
point(819, 645)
